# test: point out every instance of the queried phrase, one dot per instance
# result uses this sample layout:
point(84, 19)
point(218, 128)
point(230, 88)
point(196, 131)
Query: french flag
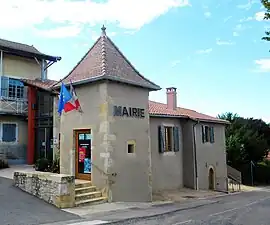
point(68, 100)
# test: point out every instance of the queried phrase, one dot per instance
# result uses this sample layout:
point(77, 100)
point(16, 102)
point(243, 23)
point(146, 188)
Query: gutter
point(195, 155)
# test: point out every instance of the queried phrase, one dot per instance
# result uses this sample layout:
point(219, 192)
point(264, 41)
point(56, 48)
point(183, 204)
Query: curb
point(161, 214)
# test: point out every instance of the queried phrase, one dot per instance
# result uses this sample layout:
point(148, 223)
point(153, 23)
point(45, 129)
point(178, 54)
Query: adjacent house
point(128, 146)
point(18, 61)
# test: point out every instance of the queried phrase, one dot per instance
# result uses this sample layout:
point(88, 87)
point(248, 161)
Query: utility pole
point(251, 172)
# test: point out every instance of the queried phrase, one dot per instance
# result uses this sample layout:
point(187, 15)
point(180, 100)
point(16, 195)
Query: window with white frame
point(9, 132)
point(12, 88)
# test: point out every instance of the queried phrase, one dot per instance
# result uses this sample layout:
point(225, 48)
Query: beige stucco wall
point(17, 149)
point(126, 177)
point(93, 102)
point(167, 168)
point(188, 154)
point(212, 155)
point(20, 67)
point(133, 171)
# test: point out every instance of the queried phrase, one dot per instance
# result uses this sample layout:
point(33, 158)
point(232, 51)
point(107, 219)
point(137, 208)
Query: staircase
point(86, 193)
point(234, 179)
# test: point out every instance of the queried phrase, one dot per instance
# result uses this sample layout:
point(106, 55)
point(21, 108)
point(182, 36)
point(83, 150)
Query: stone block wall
point(56, 189)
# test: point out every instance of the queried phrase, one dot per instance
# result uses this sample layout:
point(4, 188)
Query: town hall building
point(126, 145)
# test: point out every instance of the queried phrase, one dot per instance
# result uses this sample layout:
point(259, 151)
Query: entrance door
point(211, 179)
point(83, 154)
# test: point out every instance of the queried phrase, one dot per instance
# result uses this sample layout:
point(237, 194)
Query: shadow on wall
point(15, 154)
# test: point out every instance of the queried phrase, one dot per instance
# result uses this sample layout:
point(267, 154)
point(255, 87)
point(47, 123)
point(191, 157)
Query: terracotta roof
point(45, 85)
point(105, 61)
point(23, 49)
point(155, 108)
point(160, 109)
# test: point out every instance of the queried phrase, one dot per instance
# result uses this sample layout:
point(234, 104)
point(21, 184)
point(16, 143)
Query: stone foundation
point(56, 189)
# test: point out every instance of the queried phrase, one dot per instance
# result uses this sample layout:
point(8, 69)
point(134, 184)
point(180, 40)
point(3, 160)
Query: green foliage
point(42, 165)
point(246, 139)
point(46, 165)
point(266, 5)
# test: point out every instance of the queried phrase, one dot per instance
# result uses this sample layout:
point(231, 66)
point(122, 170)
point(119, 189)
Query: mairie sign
point(128, 111)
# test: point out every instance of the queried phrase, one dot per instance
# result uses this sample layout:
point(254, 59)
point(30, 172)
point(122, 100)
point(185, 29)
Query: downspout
point(1, 63)
point(1, 70)
point(195, 156)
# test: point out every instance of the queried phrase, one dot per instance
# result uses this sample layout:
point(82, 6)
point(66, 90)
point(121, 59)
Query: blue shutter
point(203, 134)
point(212, 138)
point(4, 86)
point(161, 138)
point(176, 139)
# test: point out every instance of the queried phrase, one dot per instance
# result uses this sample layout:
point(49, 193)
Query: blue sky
point(210, 50)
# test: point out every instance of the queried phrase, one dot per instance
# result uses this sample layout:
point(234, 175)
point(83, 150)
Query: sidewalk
point(134, 212)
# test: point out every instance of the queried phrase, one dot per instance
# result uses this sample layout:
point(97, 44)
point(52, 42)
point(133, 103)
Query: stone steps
point(86, 194)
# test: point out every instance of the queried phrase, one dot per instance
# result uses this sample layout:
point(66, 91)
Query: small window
point(131, 147)
point(208, 134)
point(9, 132)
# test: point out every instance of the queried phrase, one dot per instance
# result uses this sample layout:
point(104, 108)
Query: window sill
point(169, 153)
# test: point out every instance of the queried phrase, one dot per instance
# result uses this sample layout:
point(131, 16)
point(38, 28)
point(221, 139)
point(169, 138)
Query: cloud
point(123, 13)
point(220, 42)
point(248, 5)
point(175, 63)
point(60, 32)
point(235, 34)
point(246, 19)
point(227, 18)
point(259, 16)
point(204, 51)
point(207, 14)
point(263, 65)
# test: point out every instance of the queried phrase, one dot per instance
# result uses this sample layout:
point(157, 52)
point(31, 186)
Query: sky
point(211, 51)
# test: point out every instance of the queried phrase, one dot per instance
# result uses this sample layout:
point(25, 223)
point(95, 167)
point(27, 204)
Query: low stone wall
point(56, 189)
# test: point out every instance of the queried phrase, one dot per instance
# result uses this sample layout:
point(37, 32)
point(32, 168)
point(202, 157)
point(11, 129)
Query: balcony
point(14, 106)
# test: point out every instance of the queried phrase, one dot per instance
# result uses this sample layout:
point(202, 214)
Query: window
point(12, 88)
point(168, 138)
point(9, 132)
point(131, 147)
point(208, 134)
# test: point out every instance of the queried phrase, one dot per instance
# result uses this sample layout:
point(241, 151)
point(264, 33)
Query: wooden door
point(83, 154)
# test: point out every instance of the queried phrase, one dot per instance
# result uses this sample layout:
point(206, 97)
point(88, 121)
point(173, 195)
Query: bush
point(45, 165)
point(54, 167)
point(42, 165)
point(3, 164)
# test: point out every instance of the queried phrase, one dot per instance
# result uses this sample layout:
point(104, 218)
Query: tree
point(246, 139)
point(266, 4)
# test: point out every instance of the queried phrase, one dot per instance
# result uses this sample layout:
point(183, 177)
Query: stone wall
point(56, 189)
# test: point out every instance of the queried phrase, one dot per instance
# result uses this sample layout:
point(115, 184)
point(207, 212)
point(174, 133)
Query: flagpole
point(80, 109)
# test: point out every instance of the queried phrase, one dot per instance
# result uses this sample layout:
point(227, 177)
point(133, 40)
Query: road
point(247, 208)
point(20, 208)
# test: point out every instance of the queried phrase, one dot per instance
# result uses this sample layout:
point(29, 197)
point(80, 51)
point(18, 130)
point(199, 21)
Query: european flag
point(64, 97)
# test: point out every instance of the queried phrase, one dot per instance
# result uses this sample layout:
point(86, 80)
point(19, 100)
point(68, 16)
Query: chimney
point(171, 98)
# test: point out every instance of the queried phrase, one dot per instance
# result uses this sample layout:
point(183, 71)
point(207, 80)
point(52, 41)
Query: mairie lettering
point(128, 111)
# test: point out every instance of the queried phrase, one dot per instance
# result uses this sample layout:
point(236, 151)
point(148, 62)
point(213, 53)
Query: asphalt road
point(249, 208)
point(20, 208)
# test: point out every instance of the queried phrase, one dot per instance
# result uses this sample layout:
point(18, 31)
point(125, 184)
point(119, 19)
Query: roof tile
point(105, 60)
point(156, 108)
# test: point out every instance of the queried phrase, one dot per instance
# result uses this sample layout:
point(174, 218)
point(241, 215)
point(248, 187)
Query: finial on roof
point(103, 28)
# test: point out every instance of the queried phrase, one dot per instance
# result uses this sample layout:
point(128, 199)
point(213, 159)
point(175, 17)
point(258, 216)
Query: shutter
point(203, 134)
point(176, 139)
point(4, 86)
point(161, 138)
point(212, 135)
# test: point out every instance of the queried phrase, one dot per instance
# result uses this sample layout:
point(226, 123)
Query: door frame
point(76, 141)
